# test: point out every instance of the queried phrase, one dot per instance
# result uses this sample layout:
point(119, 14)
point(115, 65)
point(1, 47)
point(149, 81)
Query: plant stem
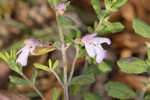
point(33, 86)
point(142, 94)
point(64, 58)
point(58, 78)
point(73, 65)
point(99, 24)
point(143, 91)
point(85, 64)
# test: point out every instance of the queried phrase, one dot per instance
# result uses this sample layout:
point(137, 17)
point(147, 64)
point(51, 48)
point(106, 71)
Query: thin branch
point(64, 58)
point(73, 65)
point(33, 86)
point(85, 64)
point(99, 24)
point(58, 78)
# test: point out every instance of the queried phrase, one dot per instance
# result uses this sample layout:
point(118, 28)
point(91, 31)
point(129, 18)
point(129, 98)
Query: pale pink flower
point(30, 45)
point(93, 46)
point(61, 8)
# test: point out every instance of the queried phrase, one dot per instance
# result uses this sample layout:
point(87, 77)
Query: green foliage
point(148, 54)
point(71, 35)
point(91, 96)
point(10, 59)
point(55, 94)
point(114, 5)
point(106, 66)
point(34, 76)
point(119, 3)
point(141, 28)
point(90, 29)
point(46, 68)
point(54, 3)
point(66, 22)
point(45, 34)
point(111, 28)
point(51, 65)
point(147, 96)
point(74, 89)
point(132, 65)
point(56, 63)
point(18, 81)
point(42, 67)
point(13, 66)
point(120, 91)
point(83, 80)
point(97, 7)
point(93, 70)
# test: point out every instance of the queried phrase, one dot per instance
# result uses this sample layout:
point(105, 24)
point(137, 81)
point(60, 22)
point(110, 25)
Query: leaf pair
point(46, 68)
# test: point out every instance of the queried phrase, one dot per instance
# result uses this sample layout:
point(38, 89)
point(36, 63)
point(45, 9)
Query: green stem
point(141, 97)
point(64, 58)
point(99, 25)
point(85, 64)
point(73, 65)
point(33, 86)
point(58, 78)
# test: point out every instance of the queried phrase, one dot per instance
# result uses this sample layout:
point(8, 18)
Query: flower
point(93, 46)
point(61, 8)
point(30, 45)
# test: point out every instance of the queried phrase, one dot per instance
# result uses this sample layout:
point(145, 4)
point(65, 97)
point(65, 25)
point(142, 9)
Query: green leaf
point(55, 94)
point(13, 66)
point(148, 53)
point(66, 22)
point(7, 55)
point(97, 7)
point(106, 66)
point(13, 54)
point(93, 70)
point(90, 29)
point(112, 28)
point(54, 3)
point(42, 67)
point(34, 76)
point(44, 50)
point(2, 56)
point(74, 89)
point(132, 65)
point(119, 3)
point(18, 81)
point(55, 64)
point(50, 63)
point(120, 91)
point(107, 4)
point(83, 80)
point(91, 96)
point(141, 28)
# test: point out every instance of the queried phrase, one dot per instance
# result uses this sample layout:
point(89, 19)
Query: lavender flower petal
point(101, 40)
point(23, 57)
point(100, 54)
point(61, 6)
point(88, 37)
point(90, 50)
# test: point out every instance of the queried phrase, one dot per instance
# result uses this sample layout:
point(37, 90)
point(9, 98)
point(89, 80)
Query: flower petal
point(101, 40)
point(90, 50)
point(88, 37)
point(100, 54)
point(23, 57)
point(61, 6)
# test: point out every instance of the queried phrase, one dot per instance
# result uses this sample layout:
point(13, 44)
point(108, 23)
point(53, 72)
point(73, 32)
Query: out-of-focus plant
point(94, 53)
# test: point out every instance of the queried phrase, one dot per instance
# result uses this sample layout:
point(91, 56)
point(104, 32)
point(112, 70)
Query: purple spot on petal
point(61, 6)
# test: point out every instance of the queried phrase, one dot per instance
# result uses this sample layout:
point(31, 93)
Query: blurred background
point(21, 19)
